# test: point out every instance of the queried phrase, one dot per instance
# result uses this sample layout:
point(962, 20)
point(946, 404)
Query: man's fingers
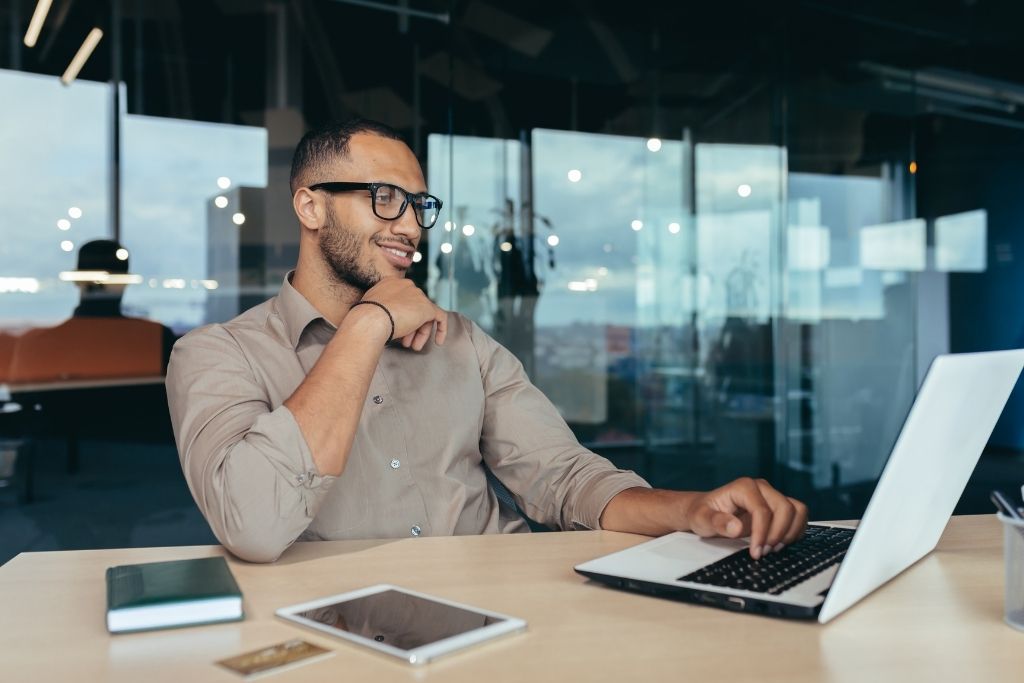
point(422, 335)
point(799, 523)
point(442, 326)
point(783, 514)
point(748, 496)
point(716, 523)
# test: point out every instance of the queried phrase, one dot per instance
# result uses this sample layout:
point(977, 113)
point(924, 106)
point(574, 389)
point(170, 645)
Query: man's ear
point(309, 208)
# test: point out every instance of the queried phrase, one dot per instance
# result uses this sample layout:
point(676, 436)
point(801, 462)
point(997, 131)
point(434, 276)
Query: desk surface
point(939, 621)
point(74, 384)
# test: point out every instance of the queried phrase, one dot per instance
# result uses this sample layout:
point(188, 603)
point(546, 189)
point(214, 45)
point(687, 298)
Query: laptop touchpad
point(687, 550)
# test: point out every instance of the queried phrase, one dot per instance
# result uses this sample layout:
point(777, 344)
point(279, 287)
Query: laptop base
point(699, 597)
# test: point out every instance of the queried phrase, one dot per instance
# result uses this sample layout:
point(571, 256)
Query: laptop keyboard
point(819, 549)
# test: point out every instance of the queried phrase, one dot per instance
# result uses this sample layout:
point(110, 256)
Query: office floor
point(132, 495)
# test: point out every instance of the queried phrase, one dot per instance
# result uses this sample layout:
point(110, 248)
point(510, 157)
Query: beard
point(341, 249)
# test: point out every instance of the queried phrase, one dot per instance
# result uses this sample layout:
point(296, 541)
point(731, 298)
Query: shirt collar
point(295, 310)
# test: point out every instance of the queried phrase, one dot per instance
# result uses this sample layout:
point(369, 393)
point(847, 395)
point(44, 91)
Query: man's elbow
point(254, 549)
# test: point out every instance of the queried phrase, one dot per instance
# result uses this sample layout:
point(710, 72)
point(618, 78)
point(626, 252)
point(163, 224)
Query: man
point(98, 341)
point(350, 406)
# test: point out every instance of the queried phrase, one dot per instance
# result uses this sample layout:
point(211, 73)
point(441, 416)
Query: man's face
point(359, 247)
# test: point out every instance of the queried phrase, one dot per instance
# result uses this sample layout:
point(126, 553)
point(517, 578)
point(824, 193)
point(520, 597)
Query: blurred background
point(724, 239)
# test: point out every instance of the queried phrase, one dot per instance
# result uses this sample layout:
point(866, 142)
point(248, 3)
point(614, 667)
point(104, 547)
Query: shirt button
point(301, 477)
point(416, 530)
point(378, 399)
point(396, 463)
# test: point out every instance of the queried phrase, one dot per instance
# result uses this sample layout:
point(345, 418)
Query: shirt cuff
point(598, 492)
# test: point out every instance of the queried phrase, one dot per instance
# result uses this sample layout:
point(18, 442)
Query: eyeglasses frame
point(340, 186)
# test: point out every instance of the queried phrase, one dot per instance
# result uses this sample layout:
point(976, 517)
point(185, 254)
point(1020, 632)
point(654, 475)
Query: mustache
point(395, 239)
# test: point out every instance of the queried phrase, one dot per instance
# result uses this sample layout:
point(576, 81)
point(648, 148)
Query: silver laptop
point(832, 567)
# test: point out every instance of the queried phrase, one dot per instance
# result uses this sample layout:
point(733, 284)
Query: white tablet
point(402, 623)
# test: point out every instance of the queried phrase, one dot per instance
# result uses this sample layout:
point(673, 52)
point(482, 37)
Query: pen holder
point(1013, 554)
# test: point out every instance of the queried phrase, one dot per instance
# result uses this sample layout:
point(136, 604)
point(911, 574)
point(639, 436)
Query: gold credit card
point(269, 660)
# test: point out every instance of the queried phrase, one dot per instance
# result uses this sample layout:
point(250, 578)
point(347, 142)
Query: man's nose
point(406, 225)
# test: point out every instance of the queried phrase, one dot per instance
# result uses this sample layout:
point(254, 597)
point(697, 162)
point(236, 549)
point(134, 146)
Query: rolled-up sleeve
point(531, 449)
point(247, 464)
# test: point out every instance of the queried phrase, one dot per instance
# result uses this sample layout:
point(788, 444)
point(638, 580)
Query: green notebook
point(167, 594)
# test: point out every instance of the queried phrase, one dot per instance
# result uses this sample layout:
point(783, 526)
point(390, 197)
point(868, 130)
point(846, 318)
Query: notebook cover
point(159, 583)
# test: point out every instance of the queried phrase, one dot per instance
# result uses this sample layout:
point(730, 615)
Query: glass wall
point(722, 241)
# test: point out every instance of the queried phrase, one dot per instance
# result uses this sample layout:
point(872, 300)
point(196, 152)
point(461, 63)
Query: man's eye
point(385, 195)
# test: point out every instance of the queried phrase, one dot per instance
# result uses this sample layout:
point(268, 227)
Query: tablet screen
point(399, 619)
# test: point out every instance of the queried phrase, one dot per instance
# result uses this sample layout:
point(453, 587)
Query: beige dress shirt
point(429, 420)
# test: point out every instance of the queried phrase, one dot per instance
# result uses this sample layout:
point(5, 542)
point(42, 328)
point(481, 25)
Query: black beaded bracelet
point(385, 309)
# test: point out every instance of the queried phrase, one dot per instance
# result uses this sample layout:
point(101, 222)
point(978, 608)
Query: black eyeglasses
point(385, 200)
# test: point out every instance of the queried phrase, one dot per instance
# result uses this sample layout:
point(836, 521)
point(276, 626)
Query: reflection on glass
point(893, 246)
point(54, 157)
point(961, 242)
point(469, 270)
point(808, 247)
point(175, 180)
point(738, 190)
point(846, 353)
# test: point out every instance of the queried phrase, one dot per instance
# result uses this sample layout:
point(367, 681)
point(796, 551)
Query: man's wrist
point(373, 322)
point(649, 511)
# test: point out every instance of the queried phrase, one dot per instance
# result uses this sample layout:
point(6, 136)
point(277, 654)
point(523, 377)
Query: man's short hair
point(322, 145)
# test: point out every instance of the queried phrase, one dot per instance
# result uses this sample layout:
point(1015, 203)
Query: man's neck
point(333, 299)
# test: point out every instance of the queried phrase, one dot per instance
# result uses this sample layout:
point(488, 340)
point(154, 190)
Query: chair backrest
point(7, 343)
point(88, 348)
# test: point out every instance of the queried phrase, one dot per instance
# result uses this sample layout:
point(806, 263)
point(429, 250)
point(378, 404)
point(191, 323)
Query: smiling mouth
point(398, 255)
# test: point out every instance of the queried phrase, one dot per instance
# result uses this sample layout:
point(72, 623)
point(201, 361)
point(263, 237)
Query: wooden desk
point(939, 621)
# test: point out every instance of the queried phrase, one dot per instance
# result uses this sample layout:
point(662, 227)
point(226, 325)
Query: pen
point(1005, 506)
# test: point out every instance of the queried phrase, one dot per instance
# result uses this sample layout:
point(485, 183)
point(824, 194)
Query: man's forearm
point(652, 512)
point(328, 403)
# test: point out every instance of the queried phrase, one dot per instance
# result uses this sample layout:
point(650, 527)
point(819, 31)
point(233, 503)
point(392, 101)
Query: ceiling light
point(223, 182)
point(75, 212)
point(743, 190)
point(82, 56)
point(468, 230)
point(220, 201)
point(446, 248)
point(654, 144)
point(417, 257)
point(637, 224)
point(673, 228)
point(575, 175)
point(84, 276)
point(67, 245)
point(121, 254)
point(552, 240)
point(238, 218)
point(36, 24)
point(448, 225)
point(64, 224)
point(506, 246)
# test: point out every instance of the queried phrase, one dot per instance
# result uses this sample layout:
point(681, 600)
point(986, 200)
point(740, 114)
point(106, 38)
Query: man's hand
point(740, 508)
point(415, 315)
point(748, 507)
